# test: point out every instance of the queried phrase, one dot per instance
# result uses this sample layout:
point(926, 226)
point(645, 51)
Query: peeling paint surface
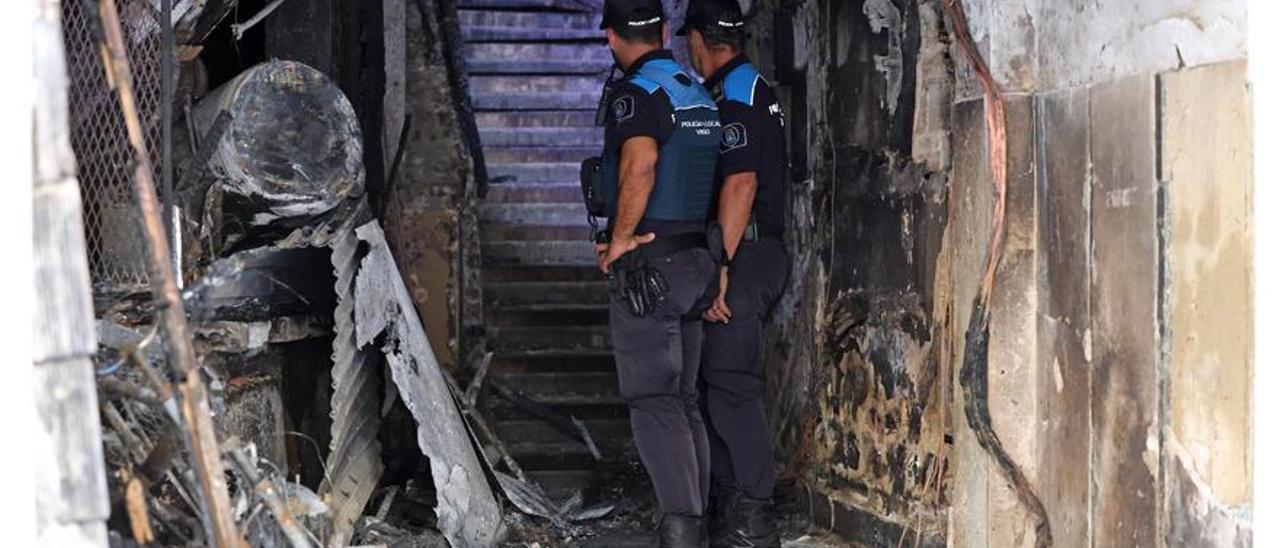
point(883, 16)
point(870, 434)
point(1199, 518)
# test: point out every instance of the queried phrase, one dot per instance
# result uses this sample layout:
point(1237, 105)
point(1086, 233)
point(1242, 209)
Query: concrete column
point(1206, 159)
point(971, 213)
point(1064, 185)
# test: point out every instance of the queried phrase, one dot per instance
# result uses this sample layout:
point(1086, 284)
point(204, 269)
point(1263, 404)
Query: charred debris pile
point(332, 422)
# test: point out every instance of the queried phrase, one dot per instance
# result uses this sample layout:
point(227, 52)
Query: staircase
point(535, 70)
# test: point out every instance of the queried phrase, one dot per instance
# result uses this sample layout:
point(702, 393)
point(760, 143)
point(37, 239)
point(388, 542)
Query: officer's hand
point(607, 253)
point(719, 311)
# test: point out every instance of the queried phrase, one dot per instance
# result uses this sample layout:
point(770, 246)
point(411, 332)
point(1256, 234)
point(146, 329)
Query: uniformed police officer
point(662, 136)
point(750, 208)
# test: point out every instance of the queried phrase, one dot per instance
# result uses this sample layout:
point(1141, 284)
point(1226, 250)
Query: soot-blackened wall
point(857, 401)
point(1127, 413)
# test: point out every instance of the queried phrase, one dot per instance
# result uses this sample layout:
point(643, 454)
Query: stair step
point(534, 172)
point(549, 340)
point(528, 53)
point(526, 214)
point(611, 435)
point(543, 273)
point(636, 538)
point(583, 408)
point(566, 5)
point(547, 295)
point(524, 84)
point(603, 431)
point(529, 34)
point(493, 232)
point(480, 65)
point(468, 18)
point(588, 136)
point(536, 194)
point(512, 156)
point(536, 118)
point(539, 253)
point(534, 101)
point(507, 317)
point(555, 455)
point(562, 484)
point(598, 362)
point(542, 384)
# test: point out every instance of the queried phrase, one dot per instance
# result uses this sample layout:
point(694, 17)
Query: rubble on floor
point(337, 424)
point(377, 343)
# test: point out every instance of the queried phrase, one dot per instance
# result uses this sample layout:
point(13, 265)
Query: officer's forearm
point(635, 183)
point(736, 197)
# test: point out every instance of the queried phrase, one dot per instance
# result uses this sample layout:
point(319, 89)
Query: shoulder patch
point(733, 136)
point(623, 108)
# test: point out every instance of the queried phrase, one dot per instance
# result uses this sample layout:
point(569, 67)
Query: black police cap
point(631, 13)
point(705, 14)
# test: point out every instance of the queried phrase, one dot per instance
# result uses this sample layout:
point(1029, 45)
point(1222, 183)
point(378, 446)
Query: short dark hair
point(717, 37)
point(645, 34)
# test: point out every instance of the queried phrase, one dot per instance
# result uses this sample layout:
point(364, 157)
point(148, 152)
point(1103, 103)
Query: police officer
point(750, 208)
point(662, 136)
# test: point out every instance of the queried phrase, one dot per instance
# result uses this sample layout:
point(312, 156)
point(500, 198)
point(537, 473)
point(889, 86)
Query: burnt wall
point(1129, 200)
point(855, 350)
point(1118, 374)
point(430, 203)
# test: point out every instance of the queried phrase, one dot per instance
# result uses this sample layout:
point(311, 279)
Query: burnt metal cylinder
point(292, 147)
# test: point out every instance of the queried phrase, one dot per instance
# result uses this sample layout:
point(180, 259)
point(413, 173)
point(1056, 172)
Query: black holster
point(592, 180)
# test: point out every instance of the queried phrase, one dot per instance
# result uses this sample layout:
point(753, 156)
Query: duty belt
point(636, 281)
point(675, 243)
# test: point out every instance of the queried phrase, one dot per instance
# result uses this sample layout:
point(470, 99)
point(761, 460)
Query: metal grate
point(103, 159)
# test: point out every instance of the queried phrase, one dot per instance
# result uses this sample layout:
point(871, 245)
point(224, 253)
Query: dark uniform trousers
point(733, 369)
point(657, 358)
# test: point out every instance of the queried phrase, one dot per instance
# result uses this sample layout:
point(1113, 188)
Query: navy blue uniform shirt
point(752, 139)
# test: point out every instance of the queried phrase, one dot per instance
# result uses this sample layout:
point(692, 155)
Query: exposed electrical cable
point(973, 370)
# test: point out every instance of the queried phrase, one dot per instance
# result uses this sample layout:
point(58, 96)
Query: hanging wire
point(129, 353)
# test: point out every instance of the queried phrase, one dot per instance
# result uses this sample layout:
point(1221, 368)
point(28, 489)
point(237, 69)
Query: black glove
point(641, 286)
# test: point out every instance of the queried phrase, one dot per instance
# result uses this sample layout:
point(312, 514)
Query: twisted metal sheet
point(354, 462)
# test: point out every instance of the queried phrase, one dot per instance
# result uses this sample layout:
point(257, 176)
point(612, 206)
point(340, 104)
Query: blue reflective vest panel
point(687, 160)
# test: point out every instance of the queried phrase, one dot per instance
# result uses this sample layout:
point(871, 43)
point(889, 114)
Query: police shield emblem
point(733, 136)
point(623, 108)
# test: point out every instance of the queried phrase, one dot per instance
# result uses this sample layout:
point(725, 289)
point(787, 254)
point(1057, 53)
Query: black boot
point(721, 523)
point(677, 531)
point(753, 525)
